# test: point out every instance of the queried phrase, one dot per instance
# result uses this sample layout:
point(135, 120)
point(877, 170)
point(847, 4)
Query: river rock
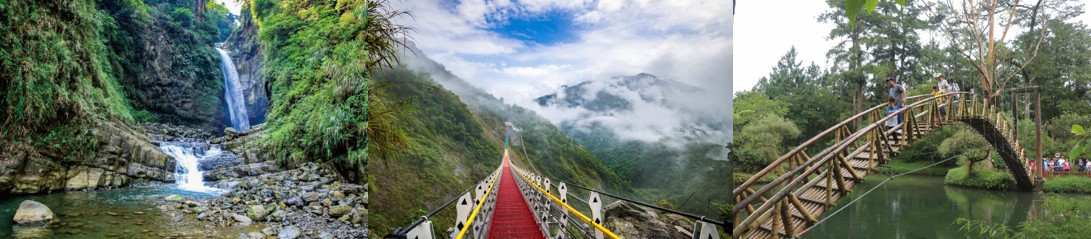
point(33, 213)
point(257, 212)
point(289, 232)
point(174, 198)
point(310, 197)
point(243, 220)
point(337, 211)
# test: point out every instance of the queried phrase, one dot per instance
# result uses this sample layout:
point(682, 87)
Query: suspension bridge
point(513, 202)
point(806, 186)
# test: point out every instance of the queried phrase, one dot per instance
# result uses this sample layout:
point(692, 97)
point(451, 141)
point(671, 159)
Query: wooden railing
point(802, 171)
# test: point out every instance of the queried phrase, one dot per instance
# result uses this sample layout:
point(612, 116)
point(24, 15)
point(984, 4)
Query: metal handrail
point(578, 214)
point(470, 220)
point(685, 214)
point(400, 232)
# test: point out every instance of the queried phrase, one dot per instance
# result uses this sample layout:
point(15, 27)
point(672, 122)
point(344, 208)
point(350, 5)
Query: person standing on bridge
point(897, 93)
point(891, 124)
point(939, 103)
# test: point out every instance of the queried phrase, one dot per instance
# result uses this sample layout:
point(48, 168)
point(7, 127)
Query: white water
point(188, 175)
point(236, 106)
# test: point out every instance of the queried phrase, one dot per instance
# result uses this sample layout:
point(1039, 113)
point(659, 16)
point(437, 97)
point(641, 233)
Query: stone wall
point(125, 156)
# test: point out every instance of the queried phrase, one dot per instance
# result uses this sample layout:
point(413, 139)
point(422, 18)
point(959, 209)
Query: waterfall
point(187, 174)
point(236, 106)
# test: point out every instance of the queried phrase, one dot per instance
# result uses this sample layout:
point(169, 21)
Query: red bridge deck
point(512, 218)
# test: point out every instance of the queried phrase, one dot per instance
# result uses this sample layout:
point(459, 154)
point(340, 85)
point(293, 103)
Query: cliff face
point(124, 156)
point(248, 56)
point(78, 73)
point(168, 66)
point(182, 84)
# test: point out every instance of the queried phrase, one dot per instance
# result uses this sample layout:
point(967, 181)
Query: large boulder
point(33, 213)
point(632, 221)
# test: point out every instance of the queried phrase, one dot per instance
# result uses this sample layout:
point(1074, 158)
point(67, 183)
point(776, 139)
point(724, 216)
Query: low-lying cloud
point(685, 41)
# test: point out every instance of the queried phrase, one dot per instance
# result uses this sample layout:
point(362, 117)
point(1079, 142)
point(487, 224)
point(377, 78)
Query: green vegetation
point(315, 68)
point(659, 170)
point(887, 43)
point(431, 143)
point(926, 149)
point(900, 166)
point(987, 179)
point(57, 80)
point(162, 54)
point(1064, 217)
point(1068, 184)
point(443, 149)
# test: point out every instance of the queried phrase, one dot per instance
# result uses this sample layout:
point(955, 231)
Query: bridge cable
point(881, 184)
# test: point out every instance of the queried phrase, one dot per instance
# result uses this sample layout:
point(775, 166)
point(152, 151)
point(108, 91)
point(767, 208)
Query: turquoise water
point(922, 207)
point(113, 213)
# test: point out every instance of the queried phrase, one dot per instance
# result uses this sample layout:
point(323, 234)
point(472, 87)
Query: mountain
point(653, 132)
point(432, 135)
point(605, 96)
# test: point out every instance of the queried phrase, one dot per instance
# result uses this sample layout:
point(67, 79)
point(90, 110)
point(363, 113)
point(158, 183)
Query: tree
point(971, 146)
point(761, 142)
point(1062, 69)
point(753, 105)
point(879, 45)
point(860, 5)
point(811, 101)
point(972, 29)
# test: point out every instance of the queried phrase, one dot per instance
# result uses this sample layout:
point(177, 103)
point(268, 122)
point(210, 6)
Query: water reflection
point(922, 207)
point(113, 213)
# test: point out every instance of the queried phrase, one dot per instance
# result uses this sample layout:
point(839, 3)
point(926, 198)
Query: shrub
point(986, 179)
point(1068, 184)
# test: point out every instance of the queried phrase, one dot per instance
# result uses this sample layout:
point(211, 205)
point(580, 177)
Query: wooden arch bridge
point(810, 185)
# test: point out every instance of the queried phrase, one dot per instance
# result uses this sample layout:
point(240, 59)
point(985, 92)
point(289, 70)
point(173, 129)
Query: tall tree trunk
point(1026, 47)
point(858, 98)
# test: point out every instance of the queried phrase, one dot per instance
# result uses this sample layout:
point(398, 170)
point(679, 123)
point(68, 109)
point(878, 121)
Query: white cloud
point(687, 41)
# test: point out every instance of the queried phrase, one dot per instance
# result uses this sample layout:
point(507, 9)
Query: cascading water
point(236, 106)
point(188, 175)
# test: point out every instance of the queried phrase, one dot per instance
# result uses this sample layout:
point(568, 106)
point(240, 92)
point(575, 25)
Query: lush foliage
point(162, 53)
point(1082, 147)
point(315, 70)
point(761, 142)
point(56, 80)
point(442, 148)
point(660, 170)
point(1064, 217)
point(1068, 184)
point(927, 148)
point(987, 179)
point(970, 148)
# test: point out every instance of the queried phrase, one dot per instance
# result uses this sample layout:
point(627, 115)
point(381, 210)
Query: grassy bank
point(986, 179)
point(1068, 184)
point(901, 166)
